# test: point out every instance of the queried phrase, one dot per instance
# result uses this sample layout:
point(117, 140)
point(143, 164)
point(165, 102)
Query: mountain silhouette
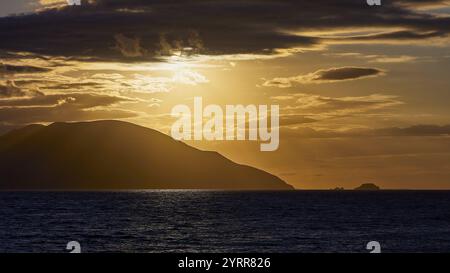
point(117, 155)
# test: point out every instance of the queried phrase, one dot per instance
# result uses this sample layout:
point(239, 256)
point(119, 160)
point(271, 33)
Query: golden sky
point(363, 91)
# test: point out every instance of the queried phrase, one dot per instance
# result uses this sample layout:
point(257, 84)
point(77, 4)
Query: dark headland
point(117, 155)
point(367, 187)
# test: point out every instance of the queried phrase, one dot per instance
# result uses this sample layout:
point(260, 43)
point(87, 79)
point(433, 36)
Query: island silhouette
point(367, 187)
point(110, 154)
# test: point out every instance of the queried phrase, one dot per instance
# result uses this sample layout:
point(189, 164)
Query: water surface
point(220, 221)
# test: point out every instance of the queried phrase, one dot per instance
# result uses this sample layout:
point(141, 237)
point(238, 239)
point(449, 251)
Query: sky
point(363, 90)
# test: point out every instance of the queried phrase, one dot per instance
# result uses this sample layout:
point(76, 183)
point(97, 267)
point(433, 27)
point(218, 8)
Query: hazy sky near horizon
point(363, 91)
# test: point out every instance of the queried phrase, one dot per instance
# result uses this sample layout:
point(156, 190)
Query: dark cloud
point(60, 113)
point(12, 69)
point(62, 107)
point(289, 120)
point(345, 73)
point(78, 100)
point(418, 130)
point(400, 35)
point(67, 86)
point(138, 29)
point(412, 131)
point(12, 90)
point(322, 108)
point(325, 75)
point(129, 47)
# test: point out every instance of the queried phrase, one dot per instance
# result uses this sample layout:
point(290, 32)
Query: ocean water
point(220, 221)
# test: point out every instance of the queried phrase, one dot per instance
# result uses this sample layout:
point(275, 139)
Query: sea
point(184, 221)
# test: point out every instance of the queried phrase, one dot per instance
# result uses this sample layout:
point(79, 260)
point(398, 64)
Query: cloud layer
point(138, 29)
point(19, 106)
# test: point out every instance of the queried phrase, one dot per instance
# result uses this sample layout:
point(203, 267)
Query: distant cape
point(367, 187)
point(102, 155)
